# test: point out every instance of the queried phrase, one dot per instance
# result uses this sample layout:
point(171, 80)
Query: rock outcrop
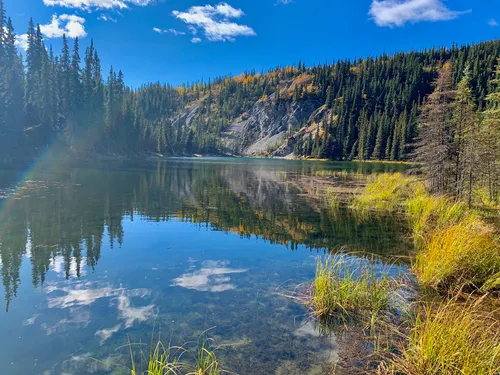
point(267, 126)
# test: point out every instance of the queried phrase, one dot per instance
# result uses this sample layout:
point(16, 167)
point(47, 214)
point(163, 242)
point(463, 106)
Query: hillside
point(362, 109)
point(366, 109)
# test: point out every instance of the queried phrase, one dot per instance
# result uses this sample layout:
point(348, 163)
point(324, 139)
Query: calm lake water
point(93, 256)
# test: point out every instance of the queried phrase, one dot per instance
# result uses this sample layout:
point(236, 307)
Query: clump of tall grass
point(334, 199)
point(386, 192)
point(161, 360)
point(462, 255)
point(449, 339)
point(206, 361)
point(167, 360)
point(344, 289)
point(456, 248)
point(428, 214)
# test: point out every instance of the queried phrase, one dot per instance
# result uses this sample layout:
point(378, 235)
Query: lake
point(94, 256)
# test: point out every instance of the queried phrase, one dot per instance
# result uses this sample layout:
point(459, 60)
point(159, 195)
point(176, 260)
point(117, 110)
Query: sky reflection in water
point(92, 256)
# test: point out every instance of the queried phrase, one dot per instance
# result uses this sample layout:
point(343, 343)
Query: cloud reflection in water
point(212, 277)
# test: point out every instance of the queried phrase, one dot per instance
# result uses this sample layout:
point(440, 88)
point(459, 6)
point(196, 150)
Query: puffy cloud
point(73, 27)
point(215, 22)
point(96, 4)
point(79, 296)
point(70, 25)
point(398, 12)
point(22, 41)
point(131, 314)
point(195, 40)
point(30, 321)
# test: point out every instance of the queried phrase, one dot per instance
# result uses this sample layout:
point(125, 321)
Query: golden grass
point(456, 248)
point(334, 199)
point(344, 289)
point(341, 175)
point(462, 255)
point(386, 192)
point(451, 339)
point(428, 214)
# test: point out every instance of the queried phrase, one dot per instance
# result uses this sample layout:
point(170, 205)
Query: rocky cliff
point(268, 127)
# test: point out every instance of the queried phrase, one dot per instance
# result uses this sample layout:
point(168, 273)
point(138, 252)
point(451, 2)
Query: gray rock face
point(263, 129)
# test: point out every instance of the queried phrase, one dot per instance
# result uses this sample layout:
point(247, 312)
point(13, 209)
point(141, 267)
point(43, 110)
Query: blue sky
point(180, 41)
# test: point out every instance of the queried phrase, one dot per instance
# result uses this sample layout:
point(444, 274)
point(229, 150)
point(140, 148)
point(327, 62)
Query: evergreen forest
point(369, 108)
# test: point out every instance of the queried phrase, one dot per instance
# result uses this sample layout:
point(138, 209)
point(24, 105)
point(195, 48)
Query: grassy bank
point(449, 338)
point(457, 254)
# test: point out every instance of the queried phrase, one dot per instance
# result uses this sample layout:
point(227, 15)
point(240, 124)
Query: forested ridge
point(363, 109)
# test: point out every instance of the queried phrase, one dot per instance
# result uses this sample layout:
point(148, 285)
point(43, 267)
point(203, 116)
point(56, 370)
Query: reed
point(346, 290)
point(166, 360)
point(206, 361)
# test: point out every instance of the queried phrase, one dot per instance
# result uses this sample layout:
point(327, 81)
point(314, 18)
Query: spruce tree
point(465, 122)
point(490, 139)
point(436, 140)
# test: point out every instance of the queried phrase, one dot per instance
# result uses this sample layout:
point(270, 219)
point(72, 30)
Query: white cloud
point(22, 41)
point(104, 17)
point(195, 40)
point(168, 31)
point(284, 2)
point(75, 270)
point(70, 25)
point(215, 22)
point(493, 22)
point(398, 12)
point(76, 318)
point(97, 4)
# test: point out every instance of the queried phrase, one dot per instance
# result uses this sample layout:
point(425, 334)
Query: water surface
point(92, 256)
